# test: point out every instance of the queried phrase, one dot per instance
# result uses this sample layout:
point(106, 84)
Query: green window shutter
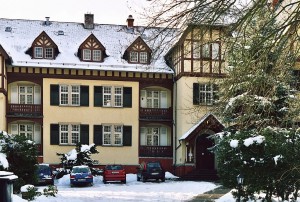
point(84, 95)
point(127, 97)
point(98, 99)
point(84, 134)
point(195, 93)
point(98, 134)
point(54, 95)
point(54, 134)
point(127, 135)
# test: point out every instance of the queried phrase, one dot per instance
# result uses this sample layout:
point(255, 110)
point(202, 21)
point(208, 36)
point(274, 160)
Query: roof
point(197, 125)
point(17, 39)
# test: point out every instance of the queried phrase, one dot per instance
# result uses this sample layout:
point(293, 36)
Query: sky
point(105, 11)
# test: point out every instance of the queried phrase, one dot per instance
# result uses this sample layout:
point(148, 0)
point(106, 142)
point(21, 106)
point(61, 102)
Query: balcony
point(156, 151)
point(24, 110)
point(156, 113)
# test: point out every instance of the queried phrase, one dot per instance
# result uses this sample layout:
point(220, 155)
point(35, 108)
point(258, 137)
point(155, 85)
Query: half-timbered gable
point(43, 47)
point(138, 52)
point(91, 50)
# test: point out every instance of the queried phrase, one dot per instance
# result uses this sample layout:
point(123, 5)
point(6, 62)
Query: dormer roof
point(114, 39)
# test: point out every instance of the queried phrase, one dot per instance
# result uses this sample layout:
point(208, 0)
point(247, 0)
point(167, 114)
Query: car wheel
point(143, 178)
point(138, 178)
point(163, 179)
point(104, 181)
point(124, 181)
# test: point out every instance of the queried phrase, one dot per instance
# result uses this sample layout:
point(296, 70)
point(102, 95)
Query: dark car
point(44, 174)
point(81, 175)
point(150, 170)
point(114, 173)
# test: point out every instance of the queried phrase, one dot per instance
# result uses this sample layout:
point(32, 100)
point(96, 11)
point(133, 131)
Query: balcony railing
point(156, 113)
point(24, 110)
point(156, 151)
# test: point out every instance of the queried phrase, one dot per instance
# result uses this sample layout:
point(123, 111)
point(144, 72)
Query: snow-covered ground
point(170, 190)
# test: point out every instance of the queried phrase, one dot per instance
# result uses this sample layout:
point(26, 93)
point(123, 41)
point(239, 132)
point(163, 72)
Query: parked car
point(44, 174)
point(81, 175)
point(114, 173)
point(150, 170)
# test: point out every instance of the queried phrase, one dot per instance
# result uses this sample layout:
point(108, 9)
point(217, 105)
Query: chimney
point(89, 21)
point(130, 21)
point(47, 22)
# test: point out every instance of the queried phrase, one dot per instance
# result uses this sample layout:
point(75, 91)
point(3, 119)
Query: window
point(138, 57)
point(70, 95)
point(208, 50)
point(152, 99)
point(154, 136)
point(143, 57)
point(97, 55)
point(112, 135)
point(87, 54)
point(69, 133)
point(204, 94)
point(133, 56)
point(27, 130)
point(48, 52)
point(25, 94)
point(112, 96)
point(38, 52)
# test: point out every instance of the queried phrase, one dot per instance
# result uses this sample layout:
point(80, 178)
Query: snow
point(3, 160)
point(234, 143)
point(170, 190)
point(277, 158)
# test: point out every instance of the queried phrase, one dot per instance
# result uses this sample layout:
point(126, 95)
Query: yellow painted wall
point(91, 115)
point(2, 112)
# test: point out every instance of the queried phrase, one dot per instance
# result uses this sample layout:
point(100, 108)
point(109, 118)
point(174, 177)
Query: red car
point(114, 173)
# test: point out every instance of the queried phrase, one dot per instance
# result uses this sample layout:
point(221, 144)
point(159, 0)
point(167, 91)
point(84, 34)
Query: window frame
point(28, 134)
point(69, 94)
point(109, 137)
point(136, 56)
point(38, 52)
point(206, 94)
point(47, 53)
point(95, 52)
point(114, 97)
point(145, 57)
point(69, 133)
point(87, 54)
point(26, 94)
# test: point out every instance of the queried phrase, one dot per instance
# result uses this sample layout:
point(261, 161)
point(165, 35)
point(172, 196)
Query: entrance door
point(204, 158)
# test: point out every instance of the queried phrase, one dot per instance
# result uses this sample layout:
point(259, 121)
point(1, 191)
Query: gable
point(44, 40)
point(92, 43)
point(88, 49)
point(139, 45)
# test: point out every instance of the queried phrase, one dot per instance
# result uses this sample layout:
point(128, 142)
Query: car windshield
point(80, 170)
point(44, 169)
point(153, 165)
point(114, 167)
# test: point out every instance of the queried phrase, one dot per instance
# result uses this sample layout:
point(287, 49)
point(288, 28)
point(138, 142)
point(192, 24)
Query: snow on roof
point(115, 38)
point(185, 135)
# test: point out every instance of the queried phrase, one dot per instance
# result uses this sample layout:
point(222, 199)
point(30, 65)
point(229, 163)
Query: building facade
point(63, 83)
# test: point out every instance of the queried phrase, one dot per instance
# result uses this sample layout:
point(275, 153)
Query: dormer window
point(91, 50)
point(43, 48)
point(138, 52)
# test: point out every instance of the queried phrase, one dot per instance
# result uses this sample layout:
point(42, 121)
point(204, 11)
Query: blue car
point(44, 175)
point(81, 175)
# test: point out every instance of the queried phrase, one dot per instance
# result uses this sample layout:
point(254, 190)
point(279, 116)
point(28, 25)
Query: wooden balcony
point(156, 151)
point(24, 110)
point(156, 113)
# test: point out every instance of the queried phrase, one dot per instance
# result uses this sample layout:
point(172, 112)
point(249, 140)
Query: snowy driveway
point(169, 190)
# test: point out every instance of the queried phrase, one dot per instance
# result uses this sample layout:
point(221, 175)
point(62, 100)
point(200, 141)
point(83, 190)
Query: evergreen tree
point(22, 158)
point(258, 108)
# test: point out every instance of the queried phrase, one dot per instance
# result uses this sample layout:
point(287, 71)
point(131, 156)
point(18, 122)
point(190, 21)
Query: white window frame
point(68, 95)
point(152, 136)
point(27, 132)
point(69, 133)
point(97, 55)
point(134, 56)
point(112, 96)
point(87, 54)
point(152, 99)
point(143, 57)
point(26, 94)
point(112, 135)
point(206, 93)
point(49, 53)
point(38, 52)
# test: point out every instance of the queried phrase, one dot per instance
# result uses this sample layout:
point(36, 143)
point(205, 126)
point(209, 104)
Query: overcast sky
point(105, 11)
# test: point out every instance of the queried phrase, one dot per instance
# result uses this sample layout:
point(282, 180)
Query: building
point(63, 83)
